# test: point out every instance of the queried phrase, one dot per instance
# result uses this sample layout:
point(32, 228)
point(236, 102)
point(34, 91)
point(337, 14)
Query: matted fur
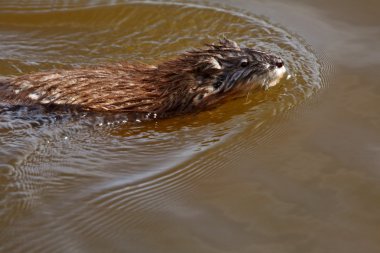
point(192, 81)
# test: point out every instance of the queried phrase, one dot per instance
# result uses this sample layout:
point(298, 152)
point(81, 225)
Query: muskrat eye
point(217, 84)
point(244, 63)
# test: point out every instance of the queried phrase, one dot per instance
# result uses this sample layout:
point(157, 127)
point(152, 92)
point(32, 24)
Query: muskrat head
point(224, 69)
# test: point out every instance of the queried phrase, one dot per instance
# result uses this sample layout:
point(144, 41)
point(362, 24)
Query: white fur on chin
point(278, 73)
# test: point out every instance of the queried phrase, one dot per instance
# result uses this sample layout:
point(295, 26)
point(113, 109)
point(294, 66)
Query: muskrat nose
point(279, 63)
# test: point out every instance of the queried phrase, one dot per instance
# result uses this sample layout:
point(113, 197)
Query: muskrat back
point(193, 81)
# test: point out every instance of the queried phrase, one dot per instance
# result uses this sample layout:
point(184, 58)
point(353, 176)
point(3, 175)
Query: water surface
point(292, 169)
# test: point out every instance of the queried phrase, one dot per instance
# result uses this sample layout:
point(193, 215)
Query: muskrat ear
point(207, 66)
point(214, 63)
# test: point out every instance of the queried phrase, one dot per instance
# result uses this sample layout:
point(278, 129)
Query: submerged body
point(193, 81)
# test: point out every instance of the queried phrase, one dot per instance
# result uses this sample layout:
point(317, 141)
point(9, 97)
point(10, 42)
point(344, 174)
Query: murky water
point(292, 169)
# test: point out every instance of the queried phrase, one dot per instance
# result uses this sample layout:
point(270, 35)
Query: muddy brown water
point(292, 169)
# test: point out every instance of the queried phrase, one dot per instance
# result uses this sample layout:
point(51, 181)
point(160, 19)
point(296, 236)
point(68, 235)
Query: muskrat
point(195, 80)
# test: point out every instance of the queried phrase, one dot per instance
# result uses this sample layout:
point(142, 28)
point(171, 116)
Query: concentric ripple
point(95, 182)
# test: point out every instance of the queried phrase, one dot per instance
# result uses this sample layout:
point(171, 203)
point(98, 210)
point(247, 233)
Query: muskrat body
point(193, 81)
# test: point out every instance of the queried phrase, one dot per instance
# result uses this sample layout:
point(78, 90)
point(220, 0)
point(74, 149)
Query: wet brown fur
point(168, 88)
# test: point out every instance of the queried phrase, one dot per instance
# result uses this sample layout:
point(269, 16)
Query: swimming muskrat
point(193, 81)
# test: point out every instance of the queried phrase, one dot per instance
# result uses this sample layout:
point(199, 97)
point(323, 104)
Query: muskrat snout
point(277, 70)
point(279, 63)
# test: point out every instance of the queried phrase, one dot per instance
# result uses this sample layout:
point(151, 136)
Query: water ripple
point(90, 180)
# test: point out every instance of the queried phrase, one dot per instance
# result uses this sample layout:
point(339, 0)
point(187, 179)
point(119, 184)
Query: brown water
point(293, 169)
